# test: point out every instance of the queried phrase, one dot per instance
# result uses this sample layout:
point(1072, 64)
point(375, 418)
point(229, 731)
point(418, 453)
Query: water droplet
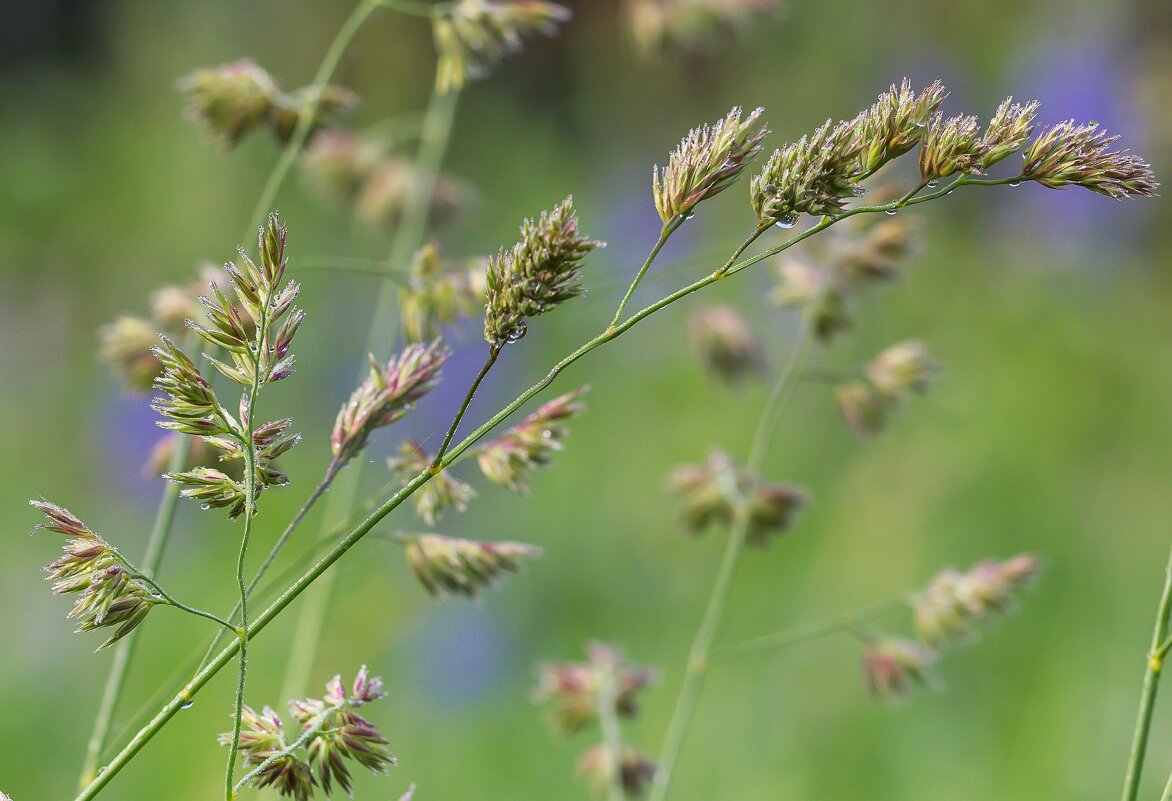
point(188, 705)
point(890, 212)
point(1015, 183)
point(516, 333)
point(205, 506)
point(933, 184)
point(689, 215)
point(788, 221)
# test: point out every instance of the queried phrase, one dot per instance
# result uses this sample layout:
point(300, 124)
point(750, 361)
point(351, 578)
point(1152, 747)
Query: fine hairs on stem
point(247, 320)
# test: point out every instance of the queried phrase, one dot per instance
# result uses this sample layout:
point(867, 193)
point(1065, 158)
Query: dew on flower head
point(933, 184)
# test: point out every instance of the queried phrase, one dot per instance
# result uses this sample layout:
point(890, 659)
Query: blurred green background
point(1050, 430)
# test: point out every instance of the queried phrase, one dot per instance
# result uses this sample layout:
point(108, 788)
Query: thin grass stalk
point(321, 566)
point(664, 234)
point(701, 648)
point(494, 351)
point(305, 120)
point(780, 640)
point(246, 442)
point(119, 667)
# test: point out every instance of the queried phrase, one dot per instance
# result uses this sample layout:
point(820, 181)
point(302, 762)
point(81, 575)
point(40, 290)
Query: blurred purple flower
point(1084, 79)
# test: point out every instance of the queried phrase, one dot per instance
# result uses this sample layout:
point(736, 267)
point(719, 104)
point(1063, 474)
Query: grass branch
point(788, 638)
point(356, 534)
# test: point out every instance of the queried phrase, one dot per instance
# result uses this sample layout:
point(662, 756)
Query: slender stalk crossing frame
point(1147, 698)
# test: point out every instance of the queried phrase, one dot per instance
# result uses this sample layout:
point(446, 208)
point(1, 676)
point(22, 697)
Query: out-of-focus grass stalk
point(612, 735)
point(434, 137)
point(165, 518)
point(701, 648)
point(338, 550)
point(306, 120)
point(1147, 698)
point(116, 680)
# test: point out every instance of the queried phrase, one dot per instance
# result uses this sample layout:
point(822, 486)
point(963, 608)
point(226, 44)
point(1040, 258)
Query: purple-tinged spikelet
point(705, 163)
point(815, 175)
point(571, 688)
point(475, 34)
point(334, 735)
point(233, 100)
point(452, 566)
point(951, 145)
point(440, 494)
point(536, 275)
point(894, 666)
point(721, 491)
point(889, 379)
point(1067, 154)
point(435, 296)
point(1011, 127)
point(699, 27)
point(635, 771)
point(111, 594)
point(894, 124)
point(725, 344)
point(954, 603)
point(509, 459)
point(386, 395)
